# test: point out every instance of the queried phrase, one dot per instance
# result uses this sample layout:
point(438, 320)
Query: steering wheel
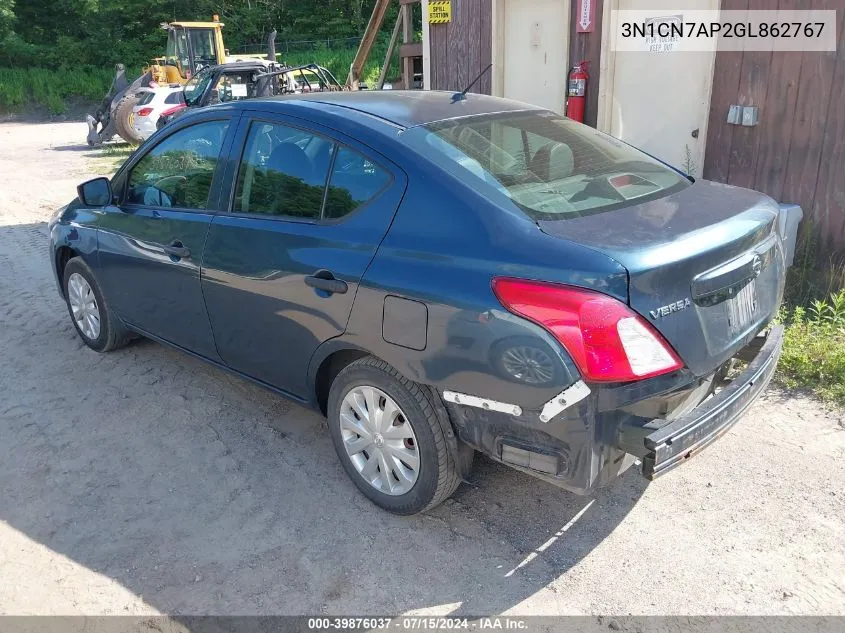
point(164, 198)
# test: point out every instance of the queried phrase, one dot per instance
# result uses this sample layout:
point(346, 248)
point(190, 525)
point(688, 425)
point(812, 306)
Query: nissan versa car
point(439, 274)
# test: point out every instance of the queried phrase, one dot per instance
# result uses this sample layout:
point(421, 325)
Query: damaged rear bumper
point(684, 437)
point(589, 443)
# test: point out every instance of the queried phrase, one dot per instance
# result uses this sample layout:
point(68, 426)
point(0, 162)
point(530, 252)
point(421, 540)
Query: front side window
point(283, 172)
point(202, 45)
point(176, 53)
point(178, 171)
point(196, 87)
point(550, 167)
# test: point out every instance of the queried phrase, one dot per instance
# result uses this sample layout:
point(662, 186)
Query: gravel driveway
point(144, 481)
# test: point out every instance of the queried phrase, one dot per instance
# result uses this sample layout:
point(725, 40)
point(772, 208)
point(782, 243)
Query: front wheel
point(94, 321)
point(387, 435)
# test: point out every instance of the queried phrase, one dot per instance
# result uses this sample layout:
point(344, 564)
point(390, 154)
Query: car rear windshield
point(549, 166)
point(145, 97)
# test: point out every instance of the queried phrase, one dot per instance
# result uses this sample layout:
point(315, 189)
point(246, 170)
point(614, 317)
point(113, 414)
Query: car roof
point(405, 108)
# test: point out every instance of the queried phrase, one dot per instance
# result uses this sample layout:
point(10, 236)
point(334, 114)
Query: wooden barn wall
point(587, 46)
point(462, 48)
point(797, 151)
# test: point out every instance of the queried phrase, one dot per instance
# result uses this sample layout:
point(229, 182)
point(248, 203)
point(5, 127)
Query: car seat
point(553, 161)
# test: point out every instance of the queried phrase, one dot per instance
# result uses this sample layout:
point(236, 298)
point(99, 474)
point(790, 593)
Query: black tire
point(122, 120)
point(438, 476)
point(112, 334)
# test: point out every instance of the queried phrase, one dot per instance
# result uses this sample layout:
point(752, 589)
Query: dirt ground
point(144, 481)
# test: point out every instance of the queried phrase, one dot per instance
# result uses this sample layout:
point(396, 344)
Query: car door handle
point(325, 280)
point(177, 249)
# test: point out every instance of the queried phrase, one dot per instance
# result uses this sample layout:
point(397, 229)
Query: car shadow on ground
point(206, 494)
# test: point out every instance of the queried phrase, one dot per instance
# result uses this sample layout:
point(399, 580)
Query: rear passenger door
point(308, 209)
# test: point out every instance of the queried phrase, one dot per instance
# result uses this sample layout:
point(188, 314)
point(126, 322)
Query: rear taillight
point(606, 339)
point(145, 112)
point(170, 111)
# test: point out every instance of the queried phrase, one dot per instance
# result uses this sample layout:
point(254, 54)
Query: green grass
point(813, 354)
point(21, 88)
point(111, 157)
point(814, 319)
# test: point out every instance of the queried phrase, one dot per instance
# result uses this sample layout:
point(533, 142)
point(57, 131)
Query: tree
point(7, 18)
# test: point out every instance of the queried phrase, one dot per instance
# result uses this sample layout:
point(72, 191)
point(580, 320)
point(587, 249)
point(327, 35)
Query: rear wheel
point(94, 321)
point(388, 438)
point(123, 117)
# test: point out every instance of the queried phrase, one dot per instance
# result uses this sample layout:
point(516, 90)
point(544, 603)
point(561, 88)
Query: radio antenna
point(460, 96)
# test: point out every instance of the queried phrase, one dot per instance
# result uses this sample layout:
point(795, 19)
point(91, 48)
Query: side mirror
point(96, 192)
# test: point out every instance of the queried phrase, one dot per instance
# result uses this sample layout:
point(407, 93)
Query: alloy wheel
point(83, 305)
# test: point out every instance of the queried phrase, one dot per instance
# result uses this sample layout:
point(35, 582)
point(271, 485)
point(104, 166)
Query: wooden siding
point(587, 46)
point(462, 48)
point(797, 151)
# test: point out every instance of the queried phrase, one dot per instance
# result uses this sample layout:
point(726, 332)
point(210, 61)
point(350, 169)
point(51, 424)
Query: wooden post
point(407, 12)
point(366, 44)
point(390, 48)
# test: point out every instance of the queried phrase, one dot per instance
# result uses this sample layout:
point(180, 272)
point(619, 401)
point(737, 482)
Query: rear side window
point(178, 171)
point(173, 98)
point(283, 172)
point(355, 180)
point(550, 167)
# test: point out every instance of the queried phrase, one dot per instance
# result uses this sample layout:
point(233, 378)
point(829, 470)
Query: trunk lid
point(705, 265)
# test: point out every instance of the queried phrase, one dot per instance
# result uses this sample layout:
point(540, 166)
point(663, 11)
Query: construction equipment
point(191, 46)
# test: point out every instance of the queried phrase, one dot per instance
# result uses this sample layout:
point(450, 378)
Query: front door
point(280, 271)
point(150, 246)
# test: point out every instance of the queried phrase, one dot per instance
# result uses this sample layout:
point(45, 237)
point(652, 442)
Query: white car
point(151, 103)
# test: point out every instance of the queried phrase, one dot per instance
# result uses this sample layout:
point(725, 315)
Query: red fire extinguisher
point(576, 94)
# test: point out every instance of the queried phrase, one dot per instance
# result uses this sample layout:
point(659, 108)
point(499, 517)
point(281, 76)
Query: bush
point(814, 348)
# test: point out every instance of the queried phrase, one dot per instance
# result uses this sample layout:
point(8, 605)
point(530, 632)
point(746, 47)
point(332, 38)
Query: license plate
point(742, 309)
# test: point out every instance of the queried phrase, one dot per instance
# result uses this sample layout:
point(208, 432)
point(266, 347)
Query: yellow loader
point(191, 46)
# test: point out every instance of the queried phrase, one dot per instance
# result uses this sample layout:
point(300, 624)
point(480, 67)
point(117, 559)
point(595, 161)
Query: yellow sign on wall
point(439, 11)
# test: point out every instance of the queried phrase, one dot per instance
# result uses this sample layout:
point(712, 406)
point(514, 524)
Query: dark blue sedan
point(439, 275)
